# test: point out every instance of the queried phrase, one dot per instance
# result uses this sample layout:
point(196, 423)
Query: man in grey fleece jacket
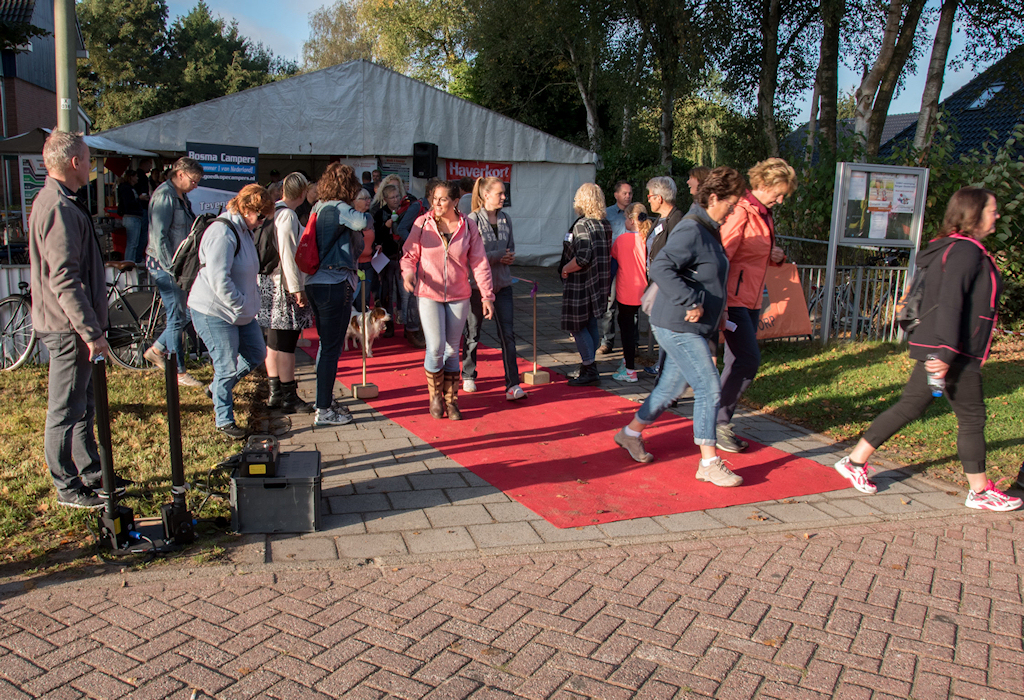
point(69, 313)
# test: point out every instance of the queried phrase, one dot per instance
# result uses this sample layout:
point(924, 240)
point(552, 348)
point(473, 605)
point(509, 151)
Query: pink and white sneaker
point(858, 476)
point(992, 499)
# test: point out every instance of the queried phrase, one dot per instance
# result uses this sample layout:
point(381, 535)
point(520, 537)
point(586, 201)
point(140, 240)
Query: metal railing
point(864, 301)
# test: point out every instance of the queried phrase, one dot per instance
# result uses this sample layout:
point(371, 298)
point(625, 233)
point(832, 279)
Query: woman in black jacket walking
point(958, 315)
point(690, 272)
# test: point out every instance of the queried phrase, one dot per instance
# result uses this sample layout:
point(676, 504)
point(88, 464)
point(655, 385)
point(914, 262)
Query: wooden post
point(364, 390)
point(535, 377)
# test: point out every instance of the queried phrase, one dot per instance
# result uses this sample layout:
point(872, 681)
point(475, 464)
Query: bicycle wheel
point(136, 318)
point(17, 336)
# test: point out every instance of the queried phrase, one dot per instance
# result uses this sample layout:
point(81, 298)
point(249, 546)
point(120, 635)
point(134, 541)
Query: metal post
point(65, 53)
point(99, 388)
point(174, 432)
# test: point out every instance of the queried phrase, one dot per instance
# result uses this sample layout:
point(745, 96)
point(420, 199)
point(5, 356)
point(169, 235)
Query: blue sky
point(284, 25)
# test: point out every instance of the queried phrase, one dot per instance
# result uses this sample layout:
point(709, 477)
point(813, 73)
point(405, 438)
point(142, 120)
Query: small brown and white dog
point(378, 319)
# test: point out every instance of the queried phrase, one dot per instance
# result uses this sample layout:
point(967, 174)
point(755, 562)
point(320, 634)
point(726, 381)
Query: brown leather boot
point(451, 395)
point(435, 385)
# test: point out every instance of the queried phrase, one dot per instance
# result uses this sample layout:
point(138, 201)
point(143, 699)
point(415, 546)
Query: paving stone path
point(874, 611)
point(425, 581)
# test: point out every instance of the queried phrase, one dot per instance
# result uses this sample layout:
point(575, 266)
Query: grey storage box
point(288, 502)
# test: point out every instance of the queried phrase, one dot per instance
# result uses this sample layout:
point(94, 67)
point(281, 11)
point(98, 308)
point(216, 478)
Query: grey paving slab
point(438, 540)
point(445, 480)
point(335, 525)
point(550, 533)
point(942, 500)
point(385, 484)
point(359, 504)
point(632, 528)
point(504, 535)
point(476, 494)
point(744, 516)
point(898, 504)
point(396, 521)
point(370, 545)
point(298, 549)
point(408, 500)
point(795, 512)
point(688, 522)
point(511, 512)
point(446, 516)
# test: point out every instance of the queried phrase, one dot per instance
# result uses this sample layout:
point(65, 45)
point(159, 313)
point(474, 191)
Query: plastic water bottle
point(936, 383)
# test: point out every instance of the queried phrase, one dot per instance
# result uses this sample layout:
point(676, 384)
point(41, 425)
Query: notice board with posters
point(879, 204)
point(456, 169)
point(226, 170)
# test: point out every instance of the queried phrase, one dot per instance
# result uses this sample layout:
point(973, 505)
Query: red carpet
point(553, 451)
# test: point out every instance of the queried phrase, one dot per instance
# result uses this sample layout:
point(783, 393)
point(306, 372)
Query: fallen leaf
point(756, 516)
point(582, 481)
point(602, 511)
point(808, 535)
point(904, 502)
point(558, 495)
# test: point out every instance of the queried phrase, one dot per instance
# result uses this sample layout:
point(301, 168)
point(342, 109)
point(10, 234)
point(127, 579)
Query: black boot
point(588, 375)
point(389, 329)
point(277, 394)
point(292, 402)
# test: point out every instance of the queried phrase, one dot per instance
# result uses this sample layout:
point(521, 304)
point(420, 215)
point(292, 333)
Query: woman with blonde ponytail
point(496, 230)
point(629, 270)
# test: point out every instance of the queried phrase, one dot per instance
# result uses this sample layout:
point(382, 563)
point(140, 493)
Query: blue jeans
point(688, 360)
point(443, 323)
point(506, 334)
point(69, 444)
point(742, 358)
point(587, 340)
point(135, 245)
point(177, 316)
point(235, 351)
point(332, 309)
point(410, 309)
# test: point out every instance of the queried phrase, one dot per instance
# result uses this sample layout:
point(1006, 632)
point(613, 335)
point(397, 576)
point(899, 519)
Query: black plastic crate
point(288, 502)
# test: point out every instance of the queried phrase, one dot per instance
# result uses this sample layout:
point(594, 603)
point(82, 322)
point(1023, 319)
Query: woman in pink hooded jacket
point(442, 247)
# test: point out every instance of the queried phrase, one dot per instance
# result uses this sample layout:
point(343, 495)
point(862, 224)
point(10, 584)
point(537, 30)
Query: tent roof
point(352, 109)
point(32, 142)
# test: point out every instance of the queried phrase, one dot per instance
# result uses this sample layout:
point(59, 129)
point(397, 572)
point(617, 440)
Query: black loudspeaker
point(424, 159)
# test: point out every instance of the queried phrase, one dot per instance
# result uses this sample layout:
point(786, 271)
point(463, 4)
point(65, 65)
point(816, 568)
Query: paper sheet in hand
point(379, 261)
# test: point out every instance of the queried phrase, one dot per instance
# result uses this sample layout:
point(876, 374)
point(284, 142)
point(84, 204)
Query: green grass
point(35, 532)
point(838, 390)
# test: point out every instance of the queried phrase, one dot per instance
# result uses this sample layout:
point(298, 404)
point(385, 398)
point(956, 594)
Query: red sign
point(475, 168)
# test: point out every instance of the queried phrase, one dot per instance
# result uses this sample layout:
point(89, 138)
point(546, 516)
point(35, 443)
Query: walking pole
point(535, 377)
point(364, 390)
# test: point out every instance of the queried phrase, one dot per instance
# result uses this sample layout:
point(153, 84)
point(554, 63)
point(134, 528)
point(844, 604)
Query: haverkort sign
point(456, 169)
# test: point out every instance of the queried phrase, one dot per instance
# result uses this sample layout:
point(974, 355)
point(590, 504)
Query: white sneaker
point(858, 476)
point(718, 474)
point(328, 416)
point(515, 392)
point(469, 386)
point(992, 499)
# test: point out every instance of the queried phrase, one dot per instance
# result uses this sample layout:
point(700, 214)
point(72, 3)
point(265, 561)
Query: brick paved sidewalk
point(390, 496)
point(884, 610)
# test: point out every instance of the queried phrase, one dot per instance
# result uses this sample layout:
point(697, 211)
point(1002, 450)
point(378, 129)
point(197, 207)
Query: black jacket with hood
point(961, 295)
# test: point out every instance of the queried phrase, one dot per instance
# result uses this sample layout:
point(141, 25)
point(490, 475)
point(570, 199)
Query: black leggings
point(282, 341)
point(628, 331)
point(965, 394)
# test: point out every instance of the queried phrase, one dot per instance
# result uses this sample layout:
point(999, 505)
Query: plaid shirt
point(585, 293)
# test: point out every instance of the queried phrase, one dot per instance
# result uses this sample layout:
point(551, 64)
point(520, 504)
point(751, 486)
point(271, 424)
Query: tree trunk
point(828, 73)
point(900, 54)
point(936, 72)
point(668, 102)
point(627, 109)
point(585, 83)
point(865, 95)
point(770, 18)
point(812, 122)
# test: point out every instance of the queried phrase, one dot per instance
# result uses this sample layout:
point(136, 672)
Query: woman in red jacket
point(748, 236)
point(442, 247)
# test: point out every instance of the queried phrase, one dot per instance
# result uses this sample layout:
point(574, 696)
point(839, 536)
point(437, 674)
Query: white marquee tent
point(361, 110)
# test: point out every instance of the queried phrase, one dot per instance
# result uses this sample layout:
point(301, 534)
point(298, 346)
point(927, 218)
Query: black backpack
point(265, 239)
point(910, 310)
point(185, 265)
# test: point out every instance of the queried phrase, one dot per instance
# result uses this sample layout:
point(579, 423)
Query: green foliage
point(334, 37)
point(137, 67)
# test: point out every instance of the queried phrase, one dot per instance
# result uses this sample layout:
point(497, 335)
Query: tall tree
point(121, 80)
point(334, 37)
point(424, 39)
point(880, 81)
point(832, 12)
point(208, 58)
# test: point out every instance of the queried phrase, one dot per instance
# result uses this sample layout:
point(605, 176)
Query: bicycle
point(17, 336)
point(136, 318)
